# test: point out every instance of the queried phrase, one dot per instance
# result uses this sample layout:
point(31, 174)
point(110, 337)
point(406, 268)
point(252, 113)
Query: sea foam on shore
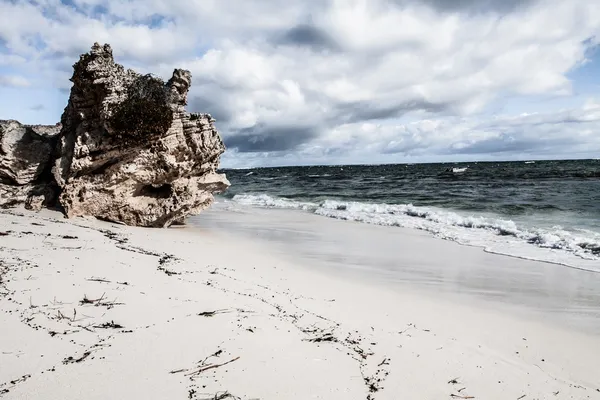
point(580, 249)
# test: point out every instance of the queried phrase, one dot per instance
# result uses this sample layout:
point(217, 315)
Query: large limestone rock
point(127, 150)
point(25, 156)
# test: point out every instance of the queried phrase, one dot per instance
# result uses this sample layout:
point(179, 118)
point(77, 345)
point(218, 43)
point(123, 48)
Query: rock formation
point(127, 150)
point(25, 161)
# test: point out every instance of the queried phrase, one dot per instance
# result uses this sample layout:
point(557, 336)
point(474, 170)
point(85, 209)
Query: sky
point(335, 81)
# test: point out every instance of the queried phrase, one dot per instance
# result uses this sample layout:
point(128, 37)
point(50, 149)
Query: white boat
point(459, 170)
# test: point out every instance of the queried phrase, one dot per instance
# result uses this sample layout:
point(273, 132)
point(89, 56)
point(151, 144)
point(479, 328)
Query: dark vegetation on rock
point(145, 113)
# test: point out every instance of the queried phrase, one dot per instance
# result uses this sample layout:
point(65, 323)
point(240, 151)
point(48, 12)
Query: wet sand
point(408, 259)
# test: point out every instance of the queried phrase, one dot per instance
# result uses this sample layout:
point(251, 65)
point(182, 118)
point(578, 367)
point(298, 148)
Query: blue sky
point(586, 78)
point(332, 81)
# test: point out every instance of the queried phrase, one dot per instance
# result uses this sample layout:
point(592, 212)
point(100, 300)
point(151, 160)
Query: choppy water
point(547, 210)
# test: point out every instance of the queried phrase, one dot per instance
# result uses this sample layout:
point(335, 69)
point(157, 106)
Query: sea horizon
point(224, 169)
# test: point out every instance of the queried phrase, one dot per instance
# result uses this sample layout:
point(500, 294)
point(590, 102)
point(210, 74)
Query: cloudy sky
point(335, 81)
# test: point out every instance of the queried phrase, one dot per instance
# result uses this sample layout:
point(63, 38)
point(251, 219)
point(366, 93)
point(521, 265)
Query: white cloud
point(334, 78)
point(538, 135)
point(13, 80)
point(11, 60)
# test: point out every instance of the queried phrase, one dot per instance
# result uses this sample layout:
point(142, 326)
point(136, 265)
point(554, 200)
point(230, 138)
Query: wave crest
point(443, 223)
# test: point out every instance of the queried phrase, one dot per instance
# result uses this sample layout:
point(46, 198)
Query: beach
point(272, 200)
point(250, 304)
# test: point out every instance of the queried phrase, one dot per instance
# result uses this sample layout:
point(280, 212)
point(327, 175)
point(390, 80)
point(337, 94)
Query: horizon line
point(412, 163)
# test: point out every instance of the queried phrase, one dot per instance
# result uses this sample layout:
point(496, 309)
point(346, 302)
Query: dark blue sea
point(546, 210)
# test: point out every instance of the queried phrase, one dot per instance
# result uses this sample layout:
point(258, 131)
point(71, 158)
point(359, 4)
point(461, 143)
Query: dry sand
point(94, 310)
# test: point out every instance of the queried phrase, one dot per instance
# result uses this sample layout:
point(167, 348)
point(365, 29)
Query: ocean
point(539, 210)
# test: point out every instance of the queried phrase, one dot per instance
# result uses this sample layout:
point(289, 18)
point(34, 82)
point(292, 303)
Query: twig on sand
point(56, 303)
point(71, 360)
point(98, 280)
point(200, 363)
point(207, 367)
point(213, 313)
point(521, 397)
point(327, 337)
point(91, 301)
point(109, 325)
point(222, 396)
point(456, 396)
point(99, 302)
point(100, 299)
point(385, 361)
point(20, 380)
point(176, 371)
point(203, 367)
point(61, 316)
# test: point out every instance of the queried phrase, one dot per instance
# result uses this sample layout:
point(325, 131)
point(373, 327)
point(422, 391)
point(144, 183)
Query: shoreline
point(98, 310)
point(410, 259)
point(495, 233)
point(433, 236)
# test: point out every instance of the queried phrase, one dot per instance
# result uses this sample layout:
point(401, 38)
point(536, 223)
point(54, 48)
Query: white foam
point(555, 244)
point(264, 200)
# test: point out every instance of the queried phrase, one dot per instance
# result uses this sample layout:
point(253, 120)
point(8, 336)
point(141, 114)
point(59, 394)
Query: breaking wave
point(264, 200)
point(472, 230)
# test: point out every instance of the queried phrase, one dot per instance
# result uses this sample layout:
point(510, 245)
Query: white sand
point(151, 288)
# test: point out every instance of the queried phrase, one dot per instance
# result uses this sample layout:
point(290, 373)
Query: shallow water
point(407, 259)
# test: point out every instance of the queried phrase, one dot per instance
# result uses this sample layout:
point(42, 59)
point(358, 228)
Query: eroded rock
point(25, 160)
point(127, 150)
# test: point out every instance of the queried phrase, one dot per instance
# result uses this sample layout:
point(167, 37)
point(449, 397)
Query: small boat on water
point(529, 162)
point(457, 170)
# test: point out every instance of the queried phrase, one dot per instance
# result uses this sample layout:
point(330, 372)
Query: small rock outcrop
point(127, 150)
point(25, 161)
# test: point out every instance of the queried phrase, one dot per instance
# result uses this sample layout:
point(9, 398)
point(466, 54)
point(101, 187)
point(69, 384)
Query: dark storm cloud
point(501, 6)
point(509, 143)
point(263, 138)
point(367, 111)
point(403, 148)
point(307, 35)
point(216, 108)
